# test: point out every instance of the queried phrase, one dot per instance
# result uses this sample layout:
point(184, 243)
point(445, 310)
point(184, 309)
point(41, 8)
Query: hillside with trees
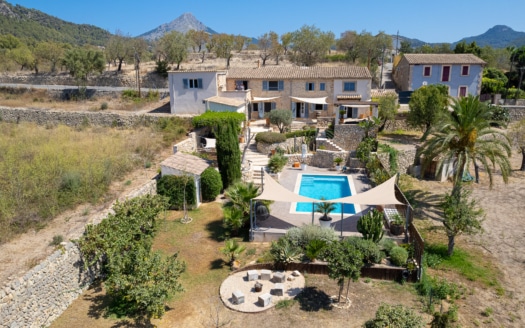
point(25, 23)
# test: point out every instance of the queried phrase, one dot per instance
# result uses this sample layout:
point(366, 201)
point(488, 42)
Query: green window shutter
point(185, 83)
point(199, 83)
point(265, 85)
point(281, 85)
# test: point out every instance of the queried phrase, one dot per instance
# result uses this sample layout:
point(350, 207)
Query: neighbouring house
point(194, 92)
point(307, 91)
point(461, 73)
point(186, 164)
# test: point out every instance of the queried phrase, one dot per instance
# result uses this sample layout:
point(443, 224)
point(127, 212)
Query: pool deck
point(281, 213)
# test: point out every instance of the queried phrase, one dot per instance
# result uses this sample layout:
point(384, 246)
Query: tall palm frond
point(464, 135)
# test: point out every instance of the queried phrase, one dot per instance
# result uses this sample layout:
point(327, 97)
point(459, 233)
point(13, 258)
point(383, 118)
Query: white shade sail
point(274, 191)
point(384, 194)
point(262, 99)
point(318, 101)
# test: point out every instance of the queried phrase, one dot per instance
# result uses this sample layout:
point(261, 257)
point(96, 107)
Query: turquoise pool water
point(327, 186)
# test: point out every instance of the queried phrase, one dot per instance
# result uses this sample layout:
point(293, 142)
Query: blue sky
point(430, 21)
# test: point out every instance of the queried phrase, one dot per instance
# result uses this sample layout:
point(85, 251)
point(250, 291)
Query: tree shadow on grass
point(216, 230)
point(312, 299)
point(216, 264)
point(428, 204)
point(102, 306)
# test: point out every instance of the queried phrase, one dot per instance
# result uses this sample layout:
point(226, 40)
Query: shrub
point(398, 256)
point(301, 236)
point(277, 163)
point(500, 115)
point(281, 117)
point(370, 225)
point(162, 68)
point(56, 240)
point(104, 106)
point(364, 149)
point(173, 187)
point(314, 248)
point(284, 252)
point(213, 119)
point(369, 249)
point(387, 245)
point(270, 137)
point(211, 184)
point(301, 133)
point(395, 316)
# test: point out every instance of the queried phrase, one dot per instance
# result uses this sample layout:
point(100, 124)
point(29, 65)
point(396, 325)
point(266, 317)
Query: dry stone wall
point(348, 136)
point(106, 79)
point(43, 293)
point(51, 117)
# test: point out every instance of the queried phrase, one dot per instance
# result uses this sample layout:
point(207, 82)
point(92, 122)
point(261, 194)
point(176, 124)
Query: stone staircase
point(253, 158)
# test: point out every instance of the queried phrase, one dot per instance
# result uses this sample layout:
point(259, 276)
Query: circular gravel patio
point(239, 282)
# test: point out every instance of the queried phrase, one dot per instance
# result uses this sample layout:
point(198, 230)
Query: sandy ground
point(504, 207)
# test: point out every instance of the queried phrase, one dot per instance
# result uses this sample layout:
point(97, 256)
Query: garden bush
point(211, 184)
point(301, 236)
point(270, 137)
point(173, 187)
point(398, 256)
point(395, 316)
point(387, 245)
point(277, 163)
point(284, 252)
point(369, 249)
point(301, 133)
point(314, 249)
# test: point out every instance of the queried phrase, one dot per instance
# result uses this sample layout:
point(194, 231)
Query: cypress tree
point(228, 152)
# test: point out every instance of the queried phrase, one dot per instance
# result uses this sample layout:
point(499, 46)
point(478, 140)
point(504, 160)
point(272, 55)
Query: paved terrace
point(281, 218)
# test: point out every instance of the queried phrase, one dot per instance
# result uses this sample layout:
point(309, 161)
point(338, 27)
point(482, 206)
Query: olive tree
point(344, 261)
point(282, 118)
point(426, 104)
point(310, 45)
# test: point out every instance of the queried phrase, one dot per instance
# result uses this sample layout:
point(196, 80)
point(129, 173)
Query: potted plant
point(342, 113)
point(325, 208)
point(397, 224)
point(338, 161)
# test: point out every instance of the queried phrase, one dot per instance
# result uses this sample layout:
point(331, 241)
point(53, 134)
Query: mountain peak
point(183, 24)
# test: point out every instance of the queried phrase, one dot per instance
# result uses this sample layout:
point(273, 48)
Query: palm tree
point(465, 135)
point(240, 194)
point(325, 208)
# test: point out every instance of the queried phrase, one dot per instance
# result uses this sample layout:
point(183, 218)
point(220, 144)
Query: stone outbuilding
point(186, 164)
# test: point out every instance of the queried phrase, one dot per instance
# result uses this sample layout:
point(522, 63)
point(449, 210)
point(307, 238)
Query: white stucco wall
point(191, 101)
point(363, 87)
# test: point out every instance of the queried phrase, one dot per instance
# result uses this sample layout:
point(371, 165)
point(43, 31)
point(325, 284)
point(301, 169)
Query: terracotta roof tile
point(186, 163)
point(296, 72)
point(415, 59)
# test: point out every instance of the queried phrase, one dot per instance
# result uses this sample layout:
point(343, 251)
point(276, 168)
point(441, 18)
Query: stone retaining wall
point(516, 113)
point(106, 79)
point(287, 146)
point(348, 136)
point(325, 158)
point(405, 159)
point(43, 293)
point(52, 117)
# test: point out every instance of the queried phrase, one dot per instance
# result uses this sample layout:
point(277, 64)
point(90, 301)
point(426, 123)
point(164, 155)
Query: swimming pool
point(327, 186)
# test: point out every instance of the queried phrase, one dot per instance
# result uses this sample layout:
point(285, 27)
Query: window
point(463, 91)
point(445, 74)
point(241, 85)
point(192, 83)
point(349, 86)
point(310, 86)
point(465, 70)
point(427, 70)
point(273, 85)
point(322, 86)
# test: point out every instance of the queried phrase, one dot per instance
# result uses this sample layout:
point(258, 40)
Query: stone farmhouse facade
point(308, 92)
point(461, 73)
